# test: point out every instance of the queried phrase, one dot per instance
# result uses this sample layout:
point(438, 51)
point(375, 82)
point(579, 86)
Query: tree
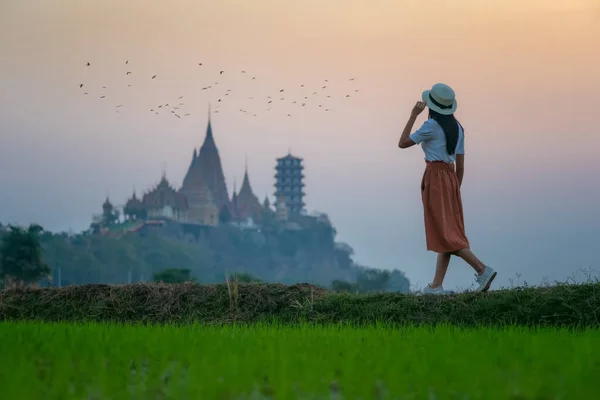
point(344, 286)
point(21, 256)
point(398, 282)
point(373, 280)
point(173, 275)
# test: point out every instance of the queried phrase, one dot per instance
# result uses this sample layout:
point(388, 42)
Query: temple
point(208, 164)
point(203, 198)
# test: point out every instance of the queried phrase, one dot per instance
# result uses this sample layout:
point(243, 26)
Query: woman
point(442, 140)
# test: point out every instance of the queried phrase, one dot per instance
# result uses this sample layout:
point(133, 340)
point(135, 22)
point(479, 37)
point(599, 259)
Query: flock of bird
point(314, 97)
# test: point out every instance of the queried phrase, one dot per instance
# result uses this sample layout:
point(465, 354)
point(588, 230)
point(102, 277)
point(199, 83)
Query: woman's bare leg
point(441, 266)
point(471, 259)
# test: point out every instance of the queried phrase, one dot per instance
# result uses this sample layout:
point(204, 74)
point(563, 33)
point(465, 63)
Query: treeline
point(304, 256)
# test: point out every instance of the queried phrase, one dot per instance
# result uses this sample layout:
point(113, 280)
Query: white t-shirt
point(433, 141)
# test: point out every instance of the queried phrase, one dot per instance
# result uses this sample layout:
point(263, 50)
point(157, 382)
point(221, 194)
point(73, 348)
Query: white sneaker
point(485, 280)
point(438, 290)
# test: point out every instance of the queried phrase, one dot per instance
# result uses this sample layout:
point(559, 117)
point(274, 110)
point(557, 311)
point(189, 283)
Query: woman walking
point(443, 142)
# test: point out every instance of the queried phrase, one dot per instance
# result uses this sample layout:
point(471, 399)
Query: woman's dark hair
point(449, 124)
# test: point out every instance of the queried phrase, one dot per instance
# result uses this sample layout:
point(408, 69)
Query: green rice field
point(97, 361)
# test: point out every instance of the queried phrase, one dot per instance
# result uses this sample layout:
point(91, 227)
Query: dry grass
point(560, 305)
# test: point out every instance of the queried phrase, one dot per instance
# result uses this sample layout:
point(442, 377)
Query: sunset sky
point(526, 74)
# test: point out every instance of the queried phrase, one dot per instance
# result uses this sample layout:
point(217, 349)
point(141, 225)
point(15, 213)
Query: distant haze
point(526, 78)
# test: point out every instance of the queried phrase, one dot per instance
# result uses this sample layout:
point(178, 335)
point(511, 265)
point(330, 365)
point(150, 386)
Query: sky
point(525, 75)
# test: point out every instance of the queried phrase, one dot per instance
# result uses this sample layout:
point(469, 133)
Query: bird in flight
point(102, 97)
point(85, 93)
point(128, 73)
point(80, 85)
point(88, 64)
point(153, 77)
point(181, 97)
point(200, 64)
point(221, 72)
point(127, 62)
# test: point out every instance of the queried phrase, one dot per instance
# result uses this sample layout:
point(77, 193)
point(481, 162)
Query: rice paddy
point(112, 361)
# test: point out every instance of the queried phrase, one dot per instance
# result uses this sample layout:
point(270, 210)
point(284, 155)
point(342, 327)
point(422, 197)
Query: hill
point(288, 257)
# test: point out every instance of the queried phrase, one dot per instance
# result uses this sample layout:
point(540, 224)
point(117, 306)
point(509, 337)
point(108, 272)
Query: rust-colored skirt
point(442, 203)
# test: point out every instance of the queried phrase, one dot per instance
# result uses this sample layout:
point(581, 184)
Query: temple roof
point(209, 165)
point(196, 190)
point(248, 204)
point(133, 203)
point(163, 195)
point(289, 156)
point(209, 145)
point(107, 203)
point(246, 189)
point(191, 168)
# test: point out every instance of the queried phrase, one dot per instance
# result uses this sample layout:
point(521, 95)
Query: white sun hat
point(441, 99)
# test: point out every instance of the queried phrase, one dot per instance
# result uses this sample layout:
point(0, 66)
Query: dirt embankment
point(560, 305)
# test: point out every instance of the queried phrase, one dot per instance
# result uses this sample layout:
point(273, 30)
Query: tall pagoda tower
point(208, 163)
point(288, 182)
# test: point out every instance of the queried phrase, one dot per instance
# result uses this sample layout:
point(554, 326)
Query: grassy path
point(565, 305)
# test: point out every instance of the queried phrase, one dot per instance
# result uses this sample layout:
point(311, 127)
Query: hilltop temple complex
point(203, 198)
